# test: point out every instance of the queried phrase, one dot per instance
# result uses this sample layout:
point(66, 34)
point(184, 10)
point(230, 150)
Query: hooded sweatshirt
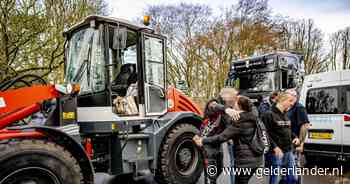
point(278, 126)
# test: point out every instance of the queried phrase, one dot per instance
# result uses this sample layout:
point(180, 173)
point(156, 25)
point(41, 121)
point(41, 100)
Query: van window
point(324, 101)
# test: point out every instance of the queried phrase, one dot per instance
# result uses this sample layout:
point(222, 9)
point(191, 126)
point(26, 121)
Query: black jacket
point(244, 157)
point(278, 126)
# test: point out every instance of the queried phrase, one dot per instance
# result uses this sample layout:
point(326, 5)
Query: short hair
point(244, 103)
point(292, 92)
point(283, 96)
point(228, 90)
point(228, 93)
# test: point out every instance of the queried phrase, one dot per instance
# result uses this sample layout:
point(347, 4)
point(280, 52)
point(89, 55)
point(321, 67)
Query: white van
point(326, 97)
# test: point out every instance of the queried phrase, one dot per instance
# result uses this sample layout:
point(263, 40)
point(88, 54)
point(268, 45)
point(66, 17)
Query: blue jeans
point(288, 162)
point(231, 152)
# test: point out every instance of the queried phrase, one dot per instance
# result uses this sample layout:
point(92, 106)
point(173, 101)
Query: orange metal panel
point(4, 136)
point(22, 113)
point(14, 99)
point(180, 102)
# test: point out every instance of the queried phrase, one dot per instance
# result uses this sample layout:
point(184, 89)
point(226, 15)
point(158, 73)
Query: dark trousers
point(214, 156)
point(244, 178)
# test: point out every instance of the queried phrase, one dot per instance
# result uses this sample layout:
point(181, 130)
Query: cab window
point(123, 57)
point(155, 76)
point(85, 60)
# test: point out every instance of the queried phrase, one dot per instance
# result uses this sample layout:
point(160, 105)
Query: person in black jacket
point(217, 115)
point(299, 119)
point(211, 126)
point(299, 123)
point(241, 132)
point(278, 126)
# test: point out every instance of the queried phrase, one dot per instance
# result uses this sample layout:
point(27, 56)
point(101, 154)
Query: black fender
point(163, 124)
point(72, 145)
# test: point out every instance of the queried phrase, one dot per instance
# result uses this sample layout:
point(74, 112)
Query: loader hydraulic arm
point(16, 104)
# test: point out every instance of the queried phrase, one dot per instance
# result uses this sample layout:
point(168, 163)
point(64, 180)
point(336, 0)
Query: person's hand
point(300, 148)
point(232, 113)
point(296, 141)
point(198, 140)
point(230, 141)
point(196, 137)
point(278, 152)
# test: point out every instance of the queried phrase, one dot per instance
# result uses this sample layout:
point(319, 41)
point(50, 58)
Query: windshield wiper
point(85, 66)
point(81, 71)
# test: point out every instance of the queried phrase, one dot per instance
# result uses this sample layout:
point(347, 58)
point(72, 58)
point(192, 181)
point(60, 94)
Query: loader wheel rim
point(186, 157)
point(31, 175)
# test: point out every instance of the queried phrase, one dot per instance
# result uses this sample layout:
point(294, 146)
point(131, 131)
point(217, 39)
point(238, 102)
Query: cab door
point(154, 74)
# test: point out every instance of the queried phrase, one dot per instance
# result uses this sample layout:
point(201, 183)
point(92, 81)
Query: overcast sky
point(329, 15)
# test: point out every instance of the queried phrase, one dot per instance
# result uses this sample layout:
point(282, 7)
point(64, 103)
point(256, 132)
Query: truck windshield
point(85, 62)
point(262, 81)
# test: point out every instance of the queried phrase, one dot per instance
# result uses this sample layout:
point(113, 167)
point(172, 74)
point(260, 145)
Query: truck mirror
point(291, 82)
point(119, 38)
point(284, 79)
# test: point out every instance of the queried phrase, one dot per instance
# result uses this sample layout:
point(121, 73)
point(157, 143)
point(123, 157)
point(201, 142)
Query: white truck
point(326, 97)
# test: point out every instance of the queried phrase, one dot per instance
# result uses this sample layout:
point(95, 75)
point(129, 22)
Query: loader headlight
point(170, 103)
point(69, 88)
point(73, 88)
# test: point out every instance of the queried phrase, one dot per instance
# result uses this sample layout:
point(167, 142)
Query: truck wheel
point(179, 160)
point(37, 162)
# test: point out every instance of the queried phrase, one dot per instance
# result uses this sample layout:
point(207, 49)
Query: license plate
point(320, 135)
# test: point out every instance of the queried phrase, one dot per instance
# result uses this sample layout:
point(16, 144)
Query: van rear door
point(326, 132)
point(345, 100)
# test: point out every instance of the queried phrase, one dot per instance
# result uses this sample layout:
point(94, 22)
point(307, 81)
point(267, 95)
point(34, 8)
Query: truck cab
point(260, 75)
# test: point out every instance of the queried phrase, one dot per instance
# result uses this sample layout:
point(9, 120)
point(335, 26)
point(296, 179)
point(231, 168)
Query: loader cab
point(120, 66)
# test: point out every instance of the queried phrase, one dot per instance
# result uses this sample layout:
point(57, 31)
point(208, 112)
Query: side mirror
point(119, 38)
point(284, 80)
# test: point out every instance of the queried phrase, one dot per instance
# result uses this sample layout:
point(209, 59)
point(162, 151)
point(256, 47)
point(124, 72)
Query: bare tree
point(202, 47)
point(335, 43)
point(345, 47)
point(304, 37)
point(181, 24)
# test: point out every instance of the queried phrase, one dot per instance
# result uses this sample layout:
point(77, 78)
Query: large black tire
point(179, 159)
point(37, 162)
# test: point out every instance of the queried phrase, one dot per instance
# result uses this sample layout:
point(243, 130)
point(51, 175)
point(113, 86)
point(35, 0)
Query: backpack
point(260, 143)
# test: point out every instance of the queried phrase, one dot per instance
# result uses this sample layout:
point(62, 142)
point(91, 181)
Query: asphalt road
point(309, 179)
